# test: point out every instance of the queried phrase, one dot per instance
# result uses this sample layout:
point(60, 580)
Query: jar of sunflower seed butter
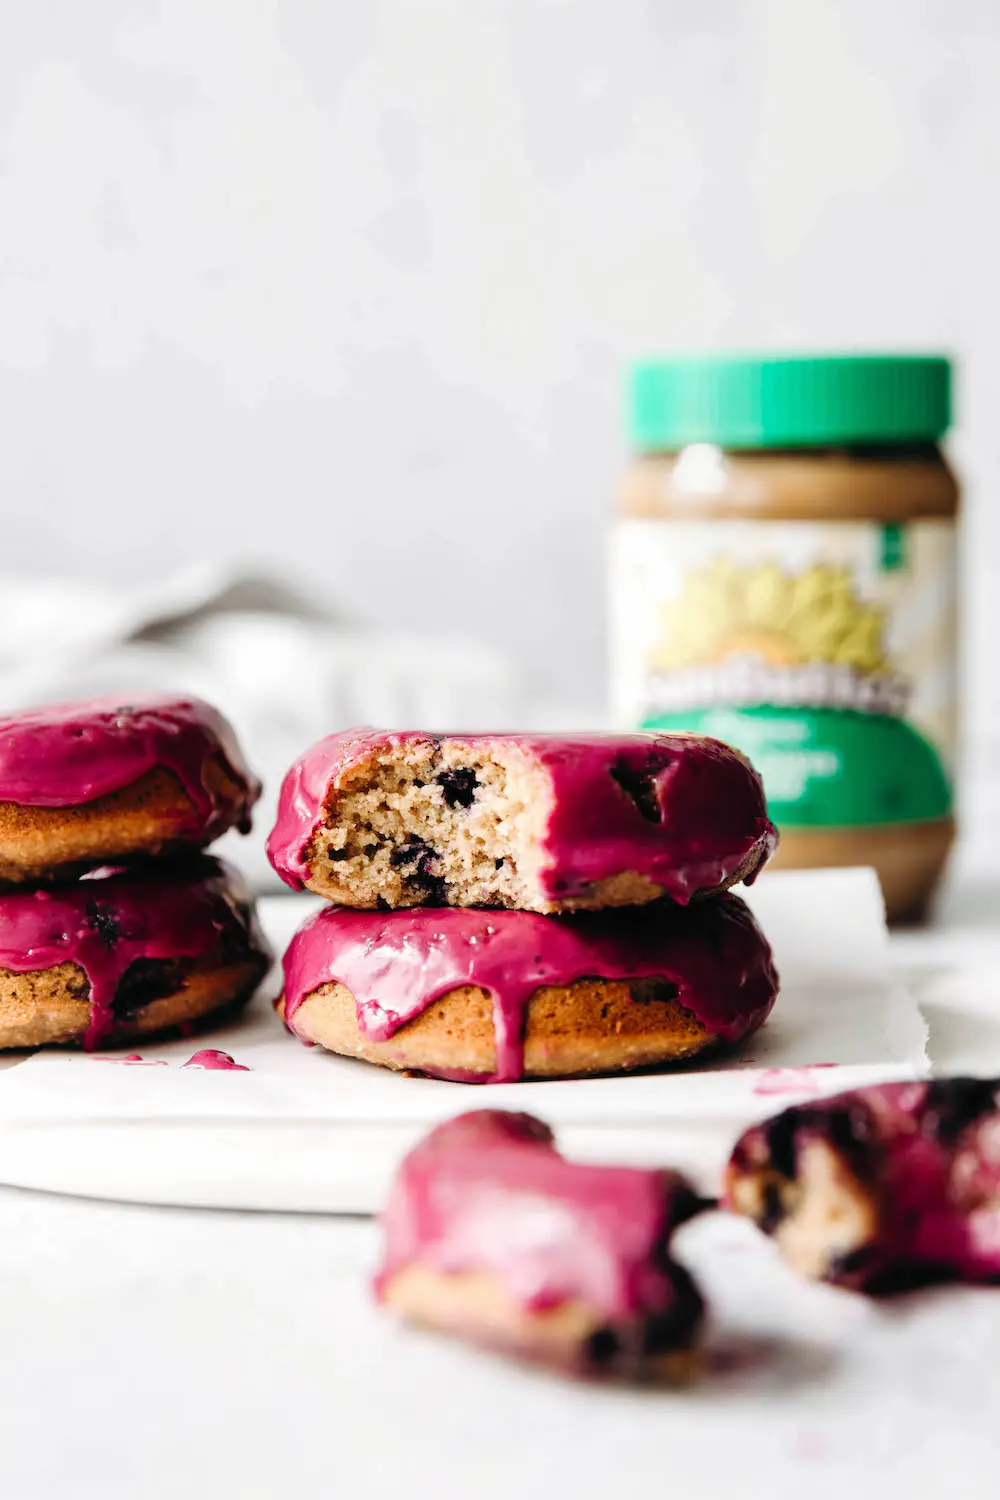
point(784, 578)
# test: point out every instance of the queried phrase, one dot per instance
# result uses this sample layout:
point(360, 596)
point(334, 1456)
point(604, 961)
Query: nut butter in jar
point(784, 578)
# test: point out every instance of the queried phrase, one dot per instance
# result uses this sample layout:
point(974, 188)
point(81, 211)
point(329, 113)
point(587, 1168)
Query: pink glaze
point(64, 754)
point(712, 814)
point(396, 964)
point(488, 1191)
point(134, 1060)
point(215, 1062)
point(800, 1080)
point(106, 923)
point(929, 1153)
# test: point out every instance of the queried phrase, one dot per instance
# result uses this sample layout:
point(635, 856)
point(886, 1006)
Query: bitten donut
point(115, 957)
point(533, 822)
point(491, 1235)
point(105, 781)
point(481, 996)
point(882, 1187)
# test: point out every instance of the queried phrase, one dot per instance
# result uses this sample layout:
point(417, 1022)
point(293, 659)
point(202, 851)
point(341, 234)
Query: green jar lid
point(749, 401)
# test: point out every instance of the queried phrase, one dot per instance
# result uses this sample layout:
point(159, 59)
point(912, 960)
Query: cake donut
point(882, 1187)
point(119, 956)
point(109, 780)
point(490, 1234)
point(494, 996)
point(534, 822)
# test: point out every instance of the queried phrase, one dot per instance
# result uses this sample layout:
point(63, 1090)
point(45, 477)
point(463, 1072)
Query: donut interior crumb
point(820, 1219)
point(440, 823)
point(569, 1336)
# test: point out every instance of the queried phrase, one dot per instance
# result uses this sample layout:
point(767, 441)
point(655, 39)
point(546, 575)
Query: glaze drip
point(397, 964)
point(64, 754)
point(107, 923)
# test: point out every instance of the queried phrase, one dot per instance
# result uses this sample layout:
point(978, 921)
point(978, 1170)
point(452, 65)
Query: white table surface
point(151, 1352)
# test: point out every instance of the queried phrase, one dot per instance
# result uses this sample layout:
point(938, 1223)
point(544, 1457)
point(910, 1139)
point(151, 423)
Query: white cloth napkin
point(285, 667)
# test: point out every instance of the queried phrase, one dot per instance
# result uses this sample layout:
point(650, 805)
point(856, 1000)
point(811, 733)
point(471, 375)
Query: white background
point(351, 285)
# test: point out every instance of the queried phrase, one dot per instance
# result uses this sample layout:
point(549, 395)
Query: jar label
point(824, 650)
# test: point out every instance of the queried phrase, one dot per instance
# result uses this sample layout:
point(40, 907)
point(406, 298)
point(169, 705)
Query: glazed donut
point(501, 995)
point(106, 781)
point(532, 822)
point(880, 1188)
point(596, 1293)
point(114, 957)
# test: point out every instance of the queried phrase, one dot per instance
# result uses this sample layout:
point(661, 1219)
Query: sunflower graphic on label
point(820, 650)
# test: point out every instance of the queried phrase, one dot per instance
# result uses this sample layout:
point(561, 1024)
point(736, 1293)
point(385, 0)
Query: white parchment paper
point(306, 1130)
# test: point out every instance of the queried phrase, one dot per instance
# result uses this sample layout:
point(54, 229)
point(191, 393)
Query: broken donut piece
point(493, 1236)
point(880, 1188)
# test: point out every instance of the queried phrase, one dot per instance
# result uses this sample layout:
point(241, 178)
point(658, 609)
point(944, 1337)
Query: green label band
point(830, 767)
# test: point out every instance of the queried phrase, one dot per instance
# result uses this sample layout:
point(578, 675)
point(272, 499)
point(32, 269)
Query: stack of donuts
point(523, 906)
point(113, 923)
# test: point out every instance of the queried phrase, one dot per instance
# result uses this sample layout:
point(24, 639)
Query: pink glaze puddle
point(397, 964)
point(134, 1060)
point(63, 754)
point(167, 912)
point(489, 1191)
point(705, 811)
point(215, 1062)
point(799, 1080)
